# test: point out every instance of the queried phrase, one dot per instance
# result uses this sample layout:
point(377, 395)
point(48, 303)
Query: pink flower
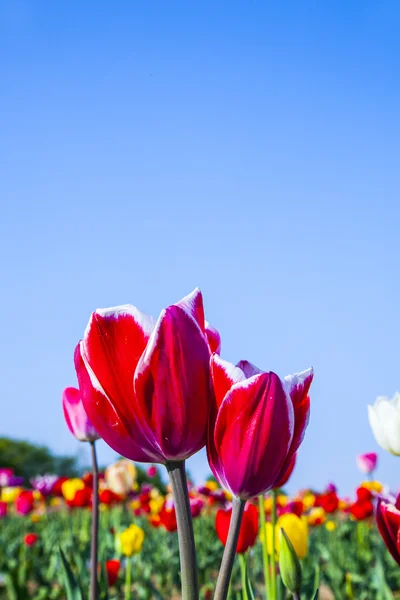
point(24, 503)
point(256, 426)
point(6, 475)
point(145, 384)
point(152, 471)
point(366, 463)
point(76, 418)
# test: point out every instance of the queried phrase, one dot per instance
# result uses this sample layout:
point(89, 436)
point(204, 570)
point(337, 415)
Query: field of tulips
point(157, 392)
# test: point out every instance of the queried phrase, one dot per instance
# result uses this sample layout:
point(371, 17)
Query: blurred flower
point(152, 471)
point(70, 487)
point(81, 499)
point(384, 419)
point(167, 518)
point(247, 399)
point(248, 529)
point(130, 541)
point(30, 539)
point(44, 484)
point(112, 568)
point(374, 486)
point(108, 497)
point(366, 463)
point(57, 487)
point(330, 525)
point(146, 384)
point(76, 418)
point(121, 476)
point(388, 521)
point(24, 503)
point(361, 510)
point(309, 500)
point(5, 477)
point(3, 509)
point(295, 528)
point(196, 505)
point(9, 494)
point(317, 516)
point(328, 501)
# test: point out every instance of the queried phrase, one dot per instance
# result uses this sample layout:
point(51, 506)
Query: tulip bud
point(289, 565)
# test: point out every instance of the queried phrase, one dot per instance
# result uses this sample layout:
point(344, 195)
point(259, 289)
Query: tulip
point(256, 426)
point(6, 476)
point(384, 419)
point(112, 568)
point(70, 487)
point(289, 566)
point(328, 501)
point(76, 418)
point(44, 484)
point(366, 463)
point(388, 521)
point(30, 539)
point(120, 477)
point(248, 529)
point(130, 540)
point(146, 384)
point(152, 471)
point(24, 503)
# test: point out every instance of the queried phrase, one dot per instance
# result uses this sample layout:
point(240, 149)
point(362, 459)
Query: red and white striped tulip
point(145, 384)
point(76, 417)
point(257, 424)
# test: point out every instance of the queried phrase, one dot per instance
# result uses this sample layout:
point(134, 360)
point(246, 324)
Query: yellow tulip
point(70, 487)
point(373, 486)
point(308, 500)
point(330, 525)
point(130, 541)
point(317, 516)
point(212, 485)
point(156, 505)
point(8, 494)
point(295, 528)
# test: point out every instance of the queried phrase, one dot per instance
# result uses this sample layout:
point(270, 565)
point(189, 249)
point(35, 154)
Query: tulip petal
point(172, 384)
point(128, 441)
point(248, 368)
point(224, 374)
point(253, 434)
point(377, 428)
point(298, 386)
point(76, 417)
point(114, 340)
point(388, 521)
point(193, 305)
point(389, 419)
point(213, 338)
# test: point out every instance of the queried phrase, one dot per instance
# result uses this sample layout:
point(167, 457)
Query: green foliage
point(28, 460)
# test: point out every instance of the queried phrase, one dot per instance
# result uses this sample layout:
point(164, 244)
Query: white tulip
point(384, 418)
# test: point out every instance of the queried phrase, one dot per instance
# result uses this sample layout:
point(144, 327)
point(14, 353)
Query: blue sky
point(248, 148)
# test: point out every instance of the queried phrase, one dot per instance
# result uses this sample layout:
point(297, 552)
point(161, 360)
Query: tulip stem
point(128, 578)
point(187, 548)
point(243, 569)
point(273, 557)
point(263, 527)
point(95, 526)
point(228, 558)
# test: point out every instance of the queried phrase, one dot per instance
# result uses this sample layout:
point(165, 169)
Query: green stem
point(228, 557)
point(273, 557)
point(187, 549)
point(263, 527)
point(95, 526)
point(243, 573)
point(128, 577)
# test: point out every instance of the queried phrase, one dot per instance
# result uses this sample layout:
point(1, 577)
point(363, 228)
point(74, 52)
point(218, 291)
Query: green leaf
point(72, 587)
point(315, 591)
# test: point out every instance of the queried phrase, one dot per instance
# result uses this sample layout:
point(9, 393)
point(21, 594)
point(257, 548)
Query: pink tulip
point(6, 475)
point(3, 509)
point(76, 418)
point(367, 462)
point(145, 384)
point(257, 424)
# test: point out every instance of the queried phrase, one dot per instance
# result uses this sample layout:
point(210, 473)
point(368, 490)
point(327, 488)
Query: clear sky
point(249, 148)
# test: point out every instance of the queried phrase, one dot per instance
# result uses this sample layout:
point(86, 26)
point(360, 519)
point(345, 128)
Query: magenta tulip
point(146, 385)
point(367, 462)
point(257, 424)
point(76, 418)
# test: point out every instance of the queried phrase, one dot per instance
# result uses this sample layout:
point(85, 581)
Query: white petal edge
point(143, 320)
point(377, 428)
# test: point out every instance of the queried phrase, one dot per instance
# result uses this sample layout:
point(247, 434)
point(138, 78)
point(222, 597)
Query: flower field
point(138, 539)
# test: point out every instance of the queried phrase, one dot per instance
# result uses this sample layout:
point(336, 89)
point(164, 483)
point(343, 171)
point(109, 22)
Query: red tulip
point(146, 385)
point(362, 509)
point(363, 495)
point(328, 501)
point(256, 425)
point(248, 529)
point(388, 521)
point(152, 471)
point(112, 568)
point(30, 539)
point(109, 497)
point(76, 418)
point(168, 518)
point(287, 474)
point(3, 509)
